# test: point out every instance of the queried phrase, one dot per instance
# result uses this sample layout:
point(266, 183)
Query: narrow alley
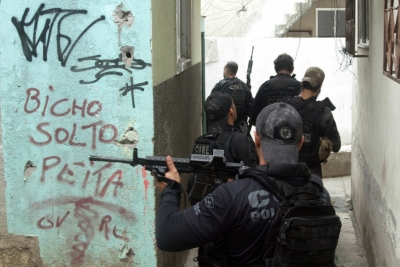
point(82, 78)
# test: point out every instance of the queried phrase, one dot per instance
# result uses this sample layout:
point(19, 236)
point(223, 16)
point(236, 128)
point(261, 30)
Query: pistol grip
point(160, 173)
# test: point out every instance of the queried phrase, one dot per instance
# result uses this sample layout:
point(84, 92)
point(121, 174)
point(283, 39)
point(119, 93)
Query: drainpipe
point(203, 76)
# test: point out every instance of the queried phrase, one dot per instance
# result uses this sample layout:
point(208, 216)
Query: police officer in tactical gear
point(239, 91)
point(238, 213)
point(279, 87)
point(318, 121)
point(221, 115)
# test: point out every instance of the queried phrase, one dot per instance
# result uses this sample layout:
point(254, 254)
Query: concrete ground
point(349, 252)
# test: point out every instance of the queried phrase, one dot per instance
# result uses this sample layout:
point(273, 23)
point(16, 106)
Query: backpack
point(235, 88)
point(278, 92)
point(311, 129)
point(305, 230)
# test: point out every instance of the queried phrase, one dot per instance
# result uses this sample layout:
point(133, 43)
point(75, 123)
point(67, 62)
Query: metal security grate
point(391, 57)
point(350, 27)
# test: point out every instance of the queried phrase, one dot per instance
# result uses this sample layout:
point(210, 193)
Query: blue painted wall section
point(76, 80)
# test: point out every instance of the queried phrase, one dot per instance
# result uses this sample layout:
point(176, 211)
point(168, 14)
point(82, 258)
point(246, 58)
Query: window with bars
point(350, 27)
point(357, 25)
point(391, 57)
point(183, 33)
point(363, 22)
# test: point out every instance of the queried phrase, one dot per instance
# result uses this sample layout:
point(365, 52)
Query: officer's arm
point(297, 88)
point(331, 132)
point(216, 88)
point(244, 150)
point(258, 105)
point(195, 226)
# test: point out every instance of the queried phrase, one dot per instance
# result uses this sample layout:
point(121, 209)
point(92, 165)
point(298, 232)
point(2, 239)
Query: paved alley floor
point(349, 252)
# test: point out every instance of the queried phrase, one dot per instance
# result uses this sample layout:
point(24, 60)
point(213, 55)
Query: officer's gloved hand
point(172, 174)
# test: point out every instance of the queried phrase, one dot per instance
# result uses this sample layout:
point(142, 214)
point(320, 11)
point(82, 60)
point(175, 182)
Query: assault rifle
point(210, 170)
point(249, 69)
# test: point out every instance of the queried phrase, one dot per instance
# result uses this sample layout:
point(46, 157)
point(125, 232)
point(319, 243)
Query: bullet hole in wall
point(127, 53)
point(130, 138)
point(29, 169)
point(128, 257)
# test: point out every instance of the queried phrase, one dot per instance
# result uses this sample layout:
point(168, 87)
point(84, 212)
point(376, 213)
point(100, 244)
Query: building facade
point(376, 90)
point(81, 78)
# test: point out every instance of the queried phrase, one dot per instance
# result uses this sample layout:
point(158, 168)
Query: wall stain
point(371, 213)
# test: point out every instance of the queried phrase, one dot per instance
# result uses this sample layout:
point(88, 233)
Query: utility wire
point(235, 9)
point(209, 4)
point(236, 12)
point(222, 16)
point(346, 60)
point(224, 25)
point(231, 1)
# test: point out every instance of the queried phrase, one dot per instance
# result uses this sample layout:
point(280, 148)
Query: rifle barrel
point(120, 160)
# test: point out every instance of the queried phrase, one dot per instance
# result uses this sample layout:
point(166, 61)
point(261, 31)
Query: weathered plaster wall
point(177, 123)
point(309, 18)
point(375, 154)
point(66, 94)
point(3, 219)
point(196, 31)
point(163, 39)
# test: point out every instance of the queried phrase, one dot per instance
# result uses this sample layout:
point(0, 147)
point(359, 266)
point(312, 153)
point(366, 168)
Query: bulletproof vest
point(311, 130)
point(200, 184)
point(236, 88)
point(278, 90)
point(207, 142)
point(305, 230)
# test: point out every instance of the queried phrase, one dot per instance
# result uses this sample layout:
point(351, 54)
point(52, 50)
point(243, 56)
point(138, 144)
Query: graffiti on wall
point(61, 108)
point(91, 215)
point(104, 67)
point(30, 43)
point(92, 189)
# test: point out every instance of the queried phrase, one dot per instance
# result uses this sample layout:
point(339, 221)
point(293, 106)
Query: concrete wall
point(375, 154)
point(308, 20)
point(66, 100)
point(164, 38)
point(177, 123)
point(177, 98)
point(321, 52)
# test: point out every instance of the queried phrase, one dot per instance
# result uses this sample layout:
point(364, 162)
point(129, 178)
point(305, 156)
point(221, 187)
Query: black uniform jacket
point(242, 148)
point(247, 101)
point(280, 81)
point(238, 213)
point(327, 123)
